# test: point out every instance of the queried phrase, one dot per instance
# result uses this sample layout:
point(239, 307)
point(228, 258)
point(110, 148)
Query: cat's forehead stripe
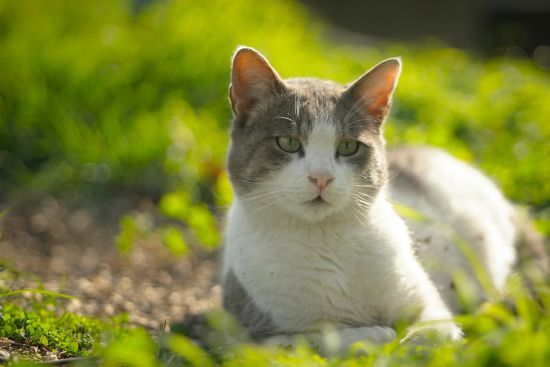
point(322, 138)
point(310, 110)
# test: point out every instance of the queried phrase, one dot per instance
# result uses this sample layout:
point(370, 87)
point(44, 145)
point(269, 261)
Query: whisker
point(362, 203)
point(297, 106)
point(362, 185)
point(362, 122)
point(265, 196)
point(355, 108)
point(394, 176)
point(284, 118)
point(358, 215)
point(362, 195)
point(269, 204)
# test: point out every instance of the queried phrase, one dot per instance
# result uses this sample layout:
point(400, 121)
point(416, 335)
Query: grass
point(498, 334)
point(35, 325)
point(100, 97)
point(512, 333)
point(64, 334)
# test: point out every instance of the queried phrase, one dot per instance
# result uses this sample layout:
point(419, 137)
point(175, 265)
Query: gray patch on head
point(370, 161)
point(293, 111)
point(254, 154)
point(238, 302)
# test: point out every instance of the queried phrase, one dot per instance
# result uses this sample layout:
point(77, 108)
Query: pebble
point(72, 252)
point(4, 355)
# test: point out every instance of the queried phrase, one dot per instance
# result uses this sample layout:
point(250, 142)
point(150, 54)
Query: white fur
point(296, 187)
point(308, 265)
point(463, 206)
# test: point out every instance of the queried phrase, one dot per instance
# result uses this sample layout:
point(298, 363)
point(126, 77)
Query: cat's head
point(305, 147)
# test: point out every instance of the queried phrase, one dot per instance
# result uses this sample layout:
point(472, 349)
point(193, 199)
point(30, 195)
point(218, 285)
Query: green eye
point(288, 144)
point(347, 147)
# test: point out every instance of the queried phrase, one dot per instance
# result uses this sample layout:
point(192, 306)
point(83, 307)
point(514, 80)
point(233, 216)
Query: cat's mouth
point(317, 201)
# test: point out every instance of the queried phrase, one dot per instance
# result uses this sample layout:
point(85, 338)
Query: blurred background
point(486, 27)
point(114, 123)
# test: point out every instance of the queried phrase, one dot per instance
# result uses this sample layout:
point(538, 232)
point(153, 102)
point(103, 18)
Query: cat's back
point(457, 205)
point(441, 179)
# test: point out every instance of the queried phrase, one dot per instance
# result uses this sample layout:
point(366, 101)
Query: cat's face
point(307, 148)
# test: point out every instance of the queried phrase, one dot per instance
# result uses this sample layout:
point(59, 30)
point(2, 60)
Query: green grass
point(36, 323)
point(98, 98)
point(64, 334)
point(512, 333)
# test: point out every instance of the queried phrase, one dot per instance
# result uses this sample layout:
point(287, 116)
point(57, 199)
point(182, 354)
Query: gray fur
point(237, 301)
point(253, 152)
point(407, 166)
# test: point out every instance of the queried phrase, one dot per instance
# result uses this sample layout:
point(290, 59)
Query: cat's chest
point(312, 273)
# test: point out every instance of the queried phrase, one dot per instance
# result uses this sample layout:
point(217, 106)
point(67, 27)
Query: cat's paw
point(433, 334)
point(334, 341)
point(338, 341)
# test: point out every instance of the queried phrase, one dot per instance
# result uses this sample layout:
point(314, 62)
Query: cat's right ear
point(373, 91)
point(252, 80)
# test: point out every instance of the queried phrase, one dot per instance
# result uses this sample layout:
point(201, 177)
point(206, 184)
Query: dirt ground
point(70, 250)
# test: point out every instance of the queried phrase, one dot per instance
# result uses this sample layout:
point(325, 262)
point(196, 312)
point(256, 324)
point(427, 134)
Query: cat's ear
point(252, 79)
point(373, 90)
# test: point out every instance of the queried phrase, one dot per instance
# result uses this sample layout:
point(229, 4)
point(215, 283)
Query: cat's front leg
point(336, 341)
point(432, 329)
point(435, 322)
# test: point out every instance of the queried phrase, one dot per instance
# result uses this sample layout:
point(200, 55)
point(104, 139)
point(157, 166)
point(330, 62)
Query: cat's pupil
point(347, 148)
point(288, 144)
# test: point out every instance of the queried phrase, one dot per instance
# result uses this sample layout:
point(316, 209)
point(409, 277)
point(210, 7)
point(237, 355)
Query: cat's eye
point(288, 144)
point(347, 147)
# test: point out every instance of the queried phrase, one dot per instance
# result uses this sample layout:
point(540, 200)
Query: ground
point(71, 251)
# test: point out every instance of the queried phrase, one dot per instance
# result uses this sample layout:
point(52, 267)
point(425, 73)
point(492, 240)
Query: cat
point(313, 241)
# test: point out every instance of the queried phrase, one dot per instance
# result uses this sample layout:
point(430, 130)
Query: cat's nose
point(321, 180)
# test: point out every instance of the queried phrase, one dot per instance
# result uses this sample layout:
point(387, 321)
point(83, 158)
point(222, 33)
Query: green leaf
point(44, 340)
point(175, 205)
point(127, 235)
point(174, 240)
point(38, 291)
point(185, 348)
point(72, 347)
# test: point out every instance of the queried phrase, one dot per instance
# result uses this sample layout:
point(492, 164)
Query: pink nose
point(321, 181)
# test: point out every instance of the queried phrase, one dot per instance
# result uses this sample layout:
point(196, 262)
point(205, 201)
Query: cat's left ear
point(252, 80)
point(373, 90)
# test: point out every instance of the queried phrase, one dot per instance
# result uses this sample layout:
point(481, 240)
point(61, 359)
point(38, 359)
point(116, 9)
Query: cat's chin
point(314, 210)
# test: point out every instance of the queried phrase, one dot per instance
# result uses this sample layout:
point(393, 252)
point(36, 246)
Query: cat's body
point(357, 272)
point(459, 207)
point(312, 237)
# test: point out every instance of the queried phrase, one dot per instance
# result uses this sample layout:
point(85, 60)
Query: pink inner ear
point(252, 79)
point(378, 107)
point(375, 93)
point(375, 101)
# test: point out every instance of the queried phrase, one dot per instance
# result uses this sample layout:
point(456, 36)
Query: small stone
point(4, 355)
point(51, 356)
